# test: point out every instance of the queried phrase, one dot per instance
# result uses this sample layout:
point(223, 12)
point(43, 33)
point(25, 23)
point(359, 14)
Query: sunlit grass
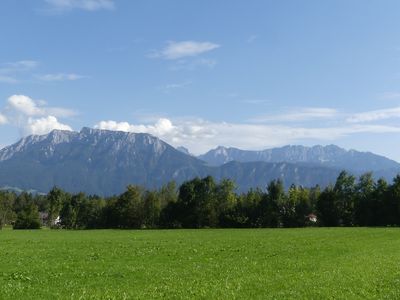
point(312, 263)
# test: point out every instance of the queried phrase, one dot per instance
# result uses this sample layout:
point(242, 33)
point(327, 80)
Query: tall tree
point(269, 205)
point(363, 209)
point(129, 208)
point(344, 189)
point(28, 217)
point(56, 197)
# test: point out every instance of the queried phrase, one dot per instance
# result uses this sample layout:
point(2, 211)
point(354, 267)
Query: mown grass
point(315, 263)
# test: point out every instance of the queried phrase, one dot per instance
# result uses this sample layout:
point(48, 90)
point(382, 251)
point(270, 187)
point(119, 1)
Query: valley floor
point(313, 263)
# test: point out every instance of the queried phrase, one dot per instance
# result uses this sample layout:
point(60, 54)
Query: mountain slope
point(94, 161)
point(105, 162)
point(329, 156)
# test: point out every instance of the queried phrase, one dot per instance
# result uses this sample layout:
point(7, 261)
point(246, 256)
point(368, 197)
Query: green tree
point(295, 207)
point(326, 208)
point(129, 208)
point(151, 209)
point(28, 217)
point(364, 197)
point(56, 197)
point(269, 205)
point(7, 214)
point(226, 200)
point(345, 188)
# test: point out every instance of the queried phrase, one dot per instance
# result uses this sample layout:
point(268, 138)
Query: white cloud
point(160, 128)
point(3, 119)
point(200, 135)
point(21, 104)
point(24, 105)
point(375, 115)
point(33, 116)
point(88, 5)
point(60, 77)
point(179, 50)
point(43, 125)
point(302, 114)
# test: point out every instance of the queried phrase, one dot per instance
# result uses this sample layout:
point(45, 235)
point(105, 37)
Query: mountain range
point(104, 162)
point(329, 156)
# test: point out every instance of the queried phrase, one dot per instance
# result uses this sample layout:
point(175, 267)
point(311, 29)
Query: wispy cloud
point(8, 79)
point(60, 77)
point(255, 101)
point(252, 38)
point(11, 72)
point(302, 114)
point(390, 95)
point(88, 5)
point(179, 50)
point(167, 88)
point(24, 70)
point(375, 115)
point(191, 65)
point(19, 66)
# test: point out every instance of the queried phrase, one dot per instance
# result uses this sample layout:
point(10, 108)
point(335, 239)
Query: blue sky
point(249, 74)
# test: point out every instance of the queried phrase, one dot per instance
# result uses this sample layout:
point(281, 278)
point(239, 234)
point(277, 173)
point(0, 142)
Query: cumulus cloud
point(43, 125)
point(24, 105)
point(160, 128)
point(33, 116)
point(179, 50)
point(303, 114)
point(375, 115)
point(60, 77)
point(201, 135)
point(88, 5)
point(21, 104)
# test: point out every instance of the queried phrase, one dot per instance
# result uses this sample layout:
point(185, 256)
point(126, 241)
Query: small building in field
point(312, 218)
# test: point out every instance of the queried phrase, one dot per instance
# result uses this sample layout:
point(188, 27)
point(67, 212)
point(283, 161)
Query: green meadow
point(313, 263)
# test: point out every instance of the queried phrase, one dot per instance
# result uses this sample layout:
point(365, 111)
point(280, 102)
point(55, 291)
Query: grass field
point(315, 263)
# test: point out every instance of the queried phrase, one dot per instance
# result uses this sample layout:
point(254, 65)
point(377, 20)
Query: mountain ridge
point(330, 155)
point(104, 162)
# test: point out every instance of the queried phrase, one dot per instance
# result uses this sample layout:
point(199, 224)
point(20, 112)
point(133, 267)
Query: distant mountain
point(104, 162)
point(94, 161)
point(328, 156)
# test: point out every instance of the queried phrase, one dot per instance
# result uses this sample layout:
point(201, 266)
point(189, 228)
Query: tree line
point(205, 203)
